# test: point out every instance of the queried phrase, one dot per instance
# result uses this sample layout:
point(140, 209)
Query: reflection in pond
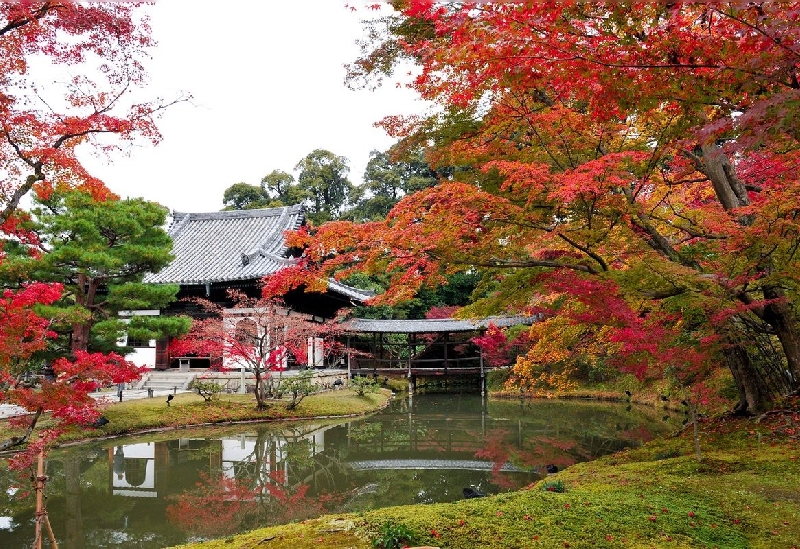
point(152, 492)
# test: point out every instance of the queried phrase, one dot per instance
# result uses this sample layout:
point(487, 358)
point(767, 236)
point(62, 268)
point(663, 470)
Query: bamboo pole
point(41, 512)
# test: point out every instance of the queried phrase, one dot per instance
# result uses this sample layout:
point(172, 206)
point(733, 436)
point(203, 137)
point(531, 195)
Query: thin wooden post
point(41, 512)
point(446, 354)
point(483, 373)
point(349, 367)
point(411, 382)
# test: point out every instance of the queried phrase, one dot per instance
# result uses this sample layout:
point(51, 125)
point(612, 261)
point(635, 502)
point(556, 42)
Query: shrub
point(496, 379)
point(206, 388)
point(298, 387)
point(554, 486)
point(394, 536)
point(364, 385)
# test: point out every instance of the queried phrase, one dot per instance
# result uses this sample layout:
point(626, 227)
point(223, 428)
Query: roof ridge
point(222, 214)
point(178, 224)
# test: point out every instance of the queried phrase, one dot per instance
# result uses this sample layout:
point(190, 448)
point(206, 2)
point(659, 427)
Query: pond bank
point(189, 409)
point(659, 495)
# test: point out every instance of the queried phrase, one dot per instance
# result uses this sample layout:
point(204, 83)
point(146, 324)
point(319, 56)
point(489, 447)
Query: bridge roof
point(468, 464)
point(428, 326)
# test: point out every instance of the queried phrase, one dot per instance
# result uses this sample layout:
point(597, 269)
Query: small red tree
point(62, 392)
point(257, 335)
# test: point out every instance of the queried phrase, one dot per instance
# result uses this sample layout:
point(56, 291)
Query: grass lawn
point(744, 493)
point(136, 416)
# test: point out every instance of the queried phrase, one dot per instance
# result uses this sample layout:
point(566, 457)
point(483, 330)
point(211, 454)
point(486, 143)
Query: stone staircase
point(169, 380)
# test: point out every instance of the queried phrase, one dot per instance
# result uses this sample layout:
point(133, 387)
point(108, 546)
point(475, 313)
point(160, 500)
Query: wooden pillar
point(412, 382)
point(483, 373)
point(446, 356)
point(347, 357)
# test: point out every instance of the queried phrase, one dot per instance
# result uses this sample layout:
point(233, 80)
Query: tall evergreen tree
point(100, 250)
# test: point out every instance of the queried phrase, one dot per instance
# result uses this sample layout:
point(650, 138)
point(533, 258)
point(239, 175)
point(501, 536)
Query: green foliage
point(154, 327)
point(322, 186)
point(363, 282)
point(277, 189)
point(241, 196)
point(323, 181)
point(667, 454)
point(594, 371)
point(206, 388)
point(496, 379)
point(298, 387)
point(456, 292)
point(393, 536)
point(100, 250)
point(386, 181)
point(281, 186)
point(363, 385)
point(554, 486)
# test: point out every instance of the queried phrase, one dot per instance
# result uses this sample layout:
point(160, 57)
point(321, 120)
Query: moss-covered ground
point(745, 492)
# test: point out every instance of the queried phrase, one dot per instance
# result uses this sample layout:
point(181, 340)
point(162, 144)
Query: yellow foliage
point(539, 378)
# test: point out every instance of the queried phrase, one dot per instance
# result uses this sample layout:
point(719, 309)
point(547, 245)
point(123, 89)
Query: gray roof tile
point(228, 245)
point(439, 325)
point(349, 291)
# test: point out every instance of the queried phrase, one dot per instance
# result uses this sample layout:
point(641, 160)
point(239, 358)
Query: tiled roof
point(228, 245)
point(439, 325)
point(349, 291)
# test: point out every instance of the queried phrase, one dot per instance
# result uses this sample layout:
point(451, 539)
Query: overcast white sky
point(267, 81)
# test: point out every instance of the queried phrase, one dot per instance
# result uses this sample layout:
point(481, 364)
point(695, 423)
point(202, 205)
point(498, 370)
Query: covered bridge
point(429, 348)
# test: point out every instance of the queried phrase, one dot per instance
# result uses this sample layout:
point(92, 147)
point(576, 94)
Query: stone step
point(158, 380)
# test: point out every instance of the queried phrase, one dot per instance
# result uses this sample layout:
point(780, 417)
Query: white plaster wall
point(143, 356)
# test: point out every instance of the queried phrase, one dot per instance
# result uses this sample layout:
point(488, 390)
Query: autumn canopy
point(67, 75)
point(627, 170)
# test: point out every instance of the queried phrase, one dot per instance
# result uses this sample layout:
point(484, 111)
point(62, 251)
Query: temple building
point(233, 250)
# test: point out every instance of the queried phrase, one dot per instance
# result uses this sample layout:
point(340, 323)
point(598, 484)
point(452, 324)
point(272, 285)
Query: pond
point(156, 491)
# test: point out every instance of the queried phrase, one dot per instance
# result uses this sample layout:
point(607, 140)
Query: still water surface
point(156, 491)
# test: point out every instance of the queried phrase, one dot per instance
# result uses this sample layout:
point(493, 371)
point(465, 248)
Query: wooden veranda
point(436, 348)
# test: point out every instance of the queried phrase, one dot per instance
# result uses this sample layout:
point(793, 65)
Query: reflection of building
point(134, 470)
point(159, 469)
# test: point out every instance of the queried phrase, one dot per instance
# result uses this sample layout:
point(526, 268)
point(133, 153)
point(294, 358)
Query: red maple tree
point(63, 390)
point(258, 335)
point(646, 153)
point(44, 124)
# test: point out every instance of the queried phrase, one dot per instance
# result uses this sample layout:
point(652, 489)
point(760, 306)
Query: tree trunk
point(755, 397)
point(732, 194)
point(80, 338)
point(778, 314)
point(259, 390)
point(84, 297)
point(715, 165)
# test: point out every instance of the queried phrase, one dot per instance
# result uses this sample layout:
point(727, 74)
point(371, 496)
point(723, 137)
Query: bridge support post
point(483, 373)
